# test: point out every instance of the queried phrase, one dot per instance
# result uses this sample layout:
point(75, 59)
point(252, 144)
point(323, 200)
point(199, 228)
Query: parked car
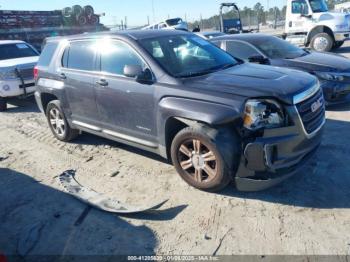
point(173, 23)
point(215, 118)
point(17, 60)
point(333, 71)
point(210, 34)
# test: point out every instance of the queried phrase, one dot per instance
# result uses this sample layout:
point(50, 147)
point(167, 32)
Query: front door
point(298, 20)
point(126, 106)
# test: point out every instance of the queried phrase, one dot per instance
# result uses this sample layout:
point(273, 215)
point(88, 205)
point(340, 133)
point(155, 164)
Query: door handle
point(102, 82)
point(63, 76)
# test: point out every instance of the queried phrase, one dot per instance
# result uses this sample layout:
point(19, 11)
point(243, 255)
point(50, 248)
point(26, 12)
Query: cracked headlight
point(259, 114)
point(329, 76)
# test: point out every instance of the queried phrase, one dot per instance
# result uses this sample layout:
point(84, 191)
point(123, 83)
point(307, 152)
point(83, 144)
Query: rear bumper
point(13, 88)
point(277, 155)
point(37, 96)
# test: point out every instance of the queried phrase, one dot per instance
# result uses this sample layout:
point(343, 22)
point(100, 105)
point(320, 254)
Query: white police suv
point(17, 62)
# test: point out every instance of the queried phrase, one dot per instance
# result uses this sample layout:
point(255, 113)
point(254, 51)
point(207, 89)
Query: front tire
point(58, 122)
point(3, 104)
point(338, 44)
point(322, 42)
point(205, 157)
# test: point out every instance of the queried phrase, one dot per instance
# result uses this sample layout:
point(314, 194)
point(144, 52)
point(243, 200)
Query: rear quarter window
point(47, 54)
point(79, 55)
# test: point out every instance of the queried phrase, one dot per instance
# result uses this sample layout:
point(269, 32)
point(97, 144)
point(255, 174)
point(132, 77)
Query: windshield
point(12, 51)
point(276, 48)
point(187, 55)
point(175, 21)
point(318, 6)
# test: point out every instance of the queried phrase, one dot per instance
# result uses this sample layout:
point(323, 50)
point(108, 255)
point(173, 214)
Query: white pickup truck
point(17, 61)
point(309, 23)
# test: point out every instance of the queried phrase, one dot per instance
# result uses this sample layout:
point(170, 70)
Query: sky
point(138, 10)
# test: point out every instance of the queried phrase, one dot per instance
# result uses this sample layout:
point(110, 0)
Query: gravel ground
point(308, 214)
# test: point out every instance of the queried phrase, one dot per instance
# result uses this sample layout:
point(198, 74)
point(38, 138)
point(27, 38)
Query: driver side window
point(298, 6)
point(240, 50)
point(116, 55)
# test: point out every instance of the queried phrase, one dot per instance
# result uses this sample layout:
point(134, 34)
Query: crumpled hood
point(252, 80)
point(18, 62)
point(316, 61)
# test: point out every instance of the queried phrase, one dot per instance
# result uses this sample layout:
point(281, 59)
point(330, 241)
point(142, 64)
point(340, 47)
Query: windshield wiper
point(208, 71)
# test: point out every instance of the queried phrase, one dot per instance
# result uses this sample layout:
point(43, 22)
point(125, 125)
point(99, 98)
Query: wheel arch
point(319, 29)
point(46, 98)
point(177, 114)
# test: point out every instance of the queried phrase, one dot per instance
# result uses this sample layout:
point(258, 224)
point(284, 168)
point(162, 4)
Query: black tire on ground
point(322, 42)
point(3, 104)
point(56, 118)
point(206, 158)
point(338, 44)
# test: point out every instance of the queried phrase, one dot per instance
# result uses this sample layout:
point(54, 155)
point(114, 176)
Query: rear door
point(77, 72)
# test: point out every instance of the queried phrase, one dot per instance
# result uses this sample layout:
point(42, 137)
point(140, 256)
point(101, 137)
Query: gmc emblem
point(317, 105)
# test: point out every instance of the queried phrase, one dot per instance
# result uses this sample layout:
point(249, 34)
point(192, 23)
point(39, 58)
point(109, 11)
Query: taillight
point(36, 73)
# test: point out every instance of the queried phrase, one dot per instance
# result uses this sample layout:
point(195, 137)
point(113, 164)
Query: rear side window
point(79, 55)
point(47, 54)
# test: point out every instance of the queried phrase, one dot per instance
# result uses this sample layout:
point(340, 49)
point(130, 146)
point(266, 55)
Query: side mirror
point(304, 11)
point(132, 70)
point(141, 76)
point(259, 59)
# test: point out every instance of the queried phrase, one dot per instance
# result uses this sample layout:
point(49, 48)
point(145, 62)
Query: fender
point(319, 28)
point(202, 111)
point(195, 110)
point(55, 88)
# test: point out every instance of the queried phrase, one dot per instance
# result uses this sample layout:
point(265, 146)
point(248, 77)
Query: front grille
point(26, 73)
point(312, 119)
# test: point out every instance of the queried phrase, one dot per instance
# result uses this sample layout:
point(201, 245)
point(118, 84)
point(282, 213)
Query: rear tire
point(3, 104)
point(205, 157)
point(322, 42)
point(58, 122)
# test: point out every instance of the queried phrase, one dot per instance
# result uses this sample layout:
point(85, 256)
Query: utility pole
point(201, 19)
point(126, 22)
point(153, 11)
point(148, 23)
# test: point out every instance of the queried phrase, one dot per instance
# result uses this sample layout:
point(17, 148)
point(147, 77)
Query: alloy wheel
point(197, 161)
point(57, 122)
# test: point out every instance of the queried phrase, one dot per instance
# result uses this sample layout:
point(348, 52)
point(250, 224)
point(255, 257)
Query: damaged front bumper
point(277, 155)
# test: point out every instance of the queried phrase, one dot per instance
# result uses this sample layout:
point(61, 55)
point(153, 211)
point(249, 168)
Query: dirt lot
point(308, 214)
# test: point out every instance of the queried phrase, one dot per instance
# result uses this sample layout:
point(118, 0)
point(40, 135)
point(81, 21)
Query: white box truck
point(310, 23)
